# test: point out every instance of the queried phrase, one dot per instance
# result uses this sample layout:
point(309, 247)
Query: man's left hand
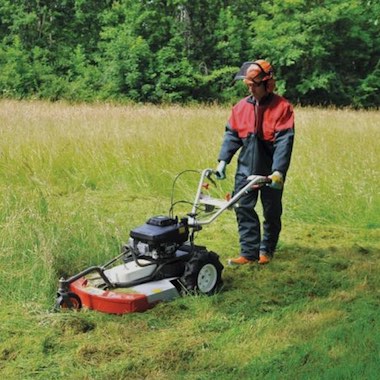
point(277, 180)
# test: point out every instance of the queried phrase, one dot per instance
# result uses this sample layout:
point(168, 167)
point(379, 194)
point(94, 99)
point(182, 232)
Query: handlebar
point(253, 182)
point(262, 180)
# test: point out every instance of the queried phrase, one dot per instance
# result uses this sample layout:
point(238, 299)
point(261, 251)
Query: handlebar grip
point(261, 181)
point(268, 180)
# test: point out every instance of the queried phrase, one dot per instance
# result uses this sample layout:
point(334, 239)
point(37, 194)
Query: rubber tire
point(193, 268)
point(76, 303)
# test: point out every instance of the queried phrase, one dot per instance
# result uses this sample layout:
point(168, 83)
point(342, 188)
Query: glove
point(220, 171)
point(277, 180)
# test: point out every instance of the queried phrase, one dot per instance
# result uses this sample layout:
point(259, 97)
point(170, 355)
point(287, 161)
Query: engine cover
point(161, 230)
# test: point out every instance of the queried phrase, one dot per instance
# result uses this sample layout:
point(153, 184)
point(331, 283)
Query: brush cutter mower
point(159, 262)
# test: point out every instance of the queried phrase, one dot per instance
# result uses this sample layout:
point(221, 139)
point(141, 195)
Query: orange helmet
point(260, 71)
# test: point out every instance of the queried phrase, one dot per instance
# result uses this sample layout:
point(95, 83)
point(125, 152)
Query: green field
point(74, 179)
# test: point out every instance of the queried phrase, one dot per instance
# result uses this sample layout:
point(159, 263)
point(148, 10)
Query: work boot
point(241, 260)
point(264, 258)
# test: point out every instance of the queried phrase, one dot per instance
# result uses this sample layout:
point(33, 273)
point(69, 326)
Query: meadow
point(75, 179)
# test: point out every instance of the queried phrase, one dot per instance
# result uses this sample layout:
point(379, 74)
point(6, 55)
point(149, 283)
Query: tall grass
point(75, 179)
point(334, 176)
point(57, 149)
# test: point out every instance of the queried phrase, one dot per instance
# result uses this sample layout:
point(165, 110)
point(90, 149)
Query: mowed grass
point(75, 179)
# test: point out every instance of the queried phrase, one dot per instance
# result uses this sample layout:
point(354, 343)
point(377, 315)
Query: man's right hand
point(220, 171)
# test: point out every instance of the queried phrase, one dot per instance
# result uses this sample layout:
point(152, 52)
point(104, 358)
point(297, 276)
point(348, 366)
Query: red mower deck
point(124, 300)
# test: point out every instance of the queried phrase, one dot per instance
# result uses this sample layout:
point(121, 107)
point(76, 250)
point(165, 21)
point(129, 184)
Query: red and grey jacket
point(264, 131)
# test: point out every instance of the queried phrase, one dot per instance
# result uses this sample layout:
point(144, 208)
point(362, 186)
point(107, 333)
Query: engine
point(159, 237)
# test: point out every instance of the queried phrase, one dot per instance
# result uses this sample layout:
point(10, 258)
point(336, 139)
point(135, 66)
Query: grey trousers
point(249, 226)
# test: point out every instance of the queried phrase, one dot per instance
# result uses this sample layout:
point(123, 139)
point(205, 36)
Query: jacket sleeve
point(283, 143)
point(231, 143)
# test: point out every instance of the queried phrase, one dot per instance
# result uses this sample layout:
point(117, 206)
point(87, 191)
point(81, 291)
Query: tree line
point(325, 52)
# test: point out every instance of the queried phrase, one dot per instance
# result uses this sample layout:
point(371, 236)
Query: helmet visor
point(243, 70)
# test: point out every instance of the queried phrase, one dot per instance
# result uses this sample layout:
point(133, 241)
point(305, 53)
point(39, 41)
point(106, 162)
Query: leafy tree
point(124, 55)
point(231, 39)
point(324, 52)
point(15, 73)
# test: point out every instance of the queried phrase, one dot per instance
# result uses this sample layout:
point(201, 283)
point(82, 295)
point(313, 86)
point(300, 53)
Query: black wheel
point(203, 273)
point(68, 301)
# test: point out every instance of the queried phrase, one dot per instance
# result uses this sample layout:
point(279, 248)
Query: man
point(262, 127)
